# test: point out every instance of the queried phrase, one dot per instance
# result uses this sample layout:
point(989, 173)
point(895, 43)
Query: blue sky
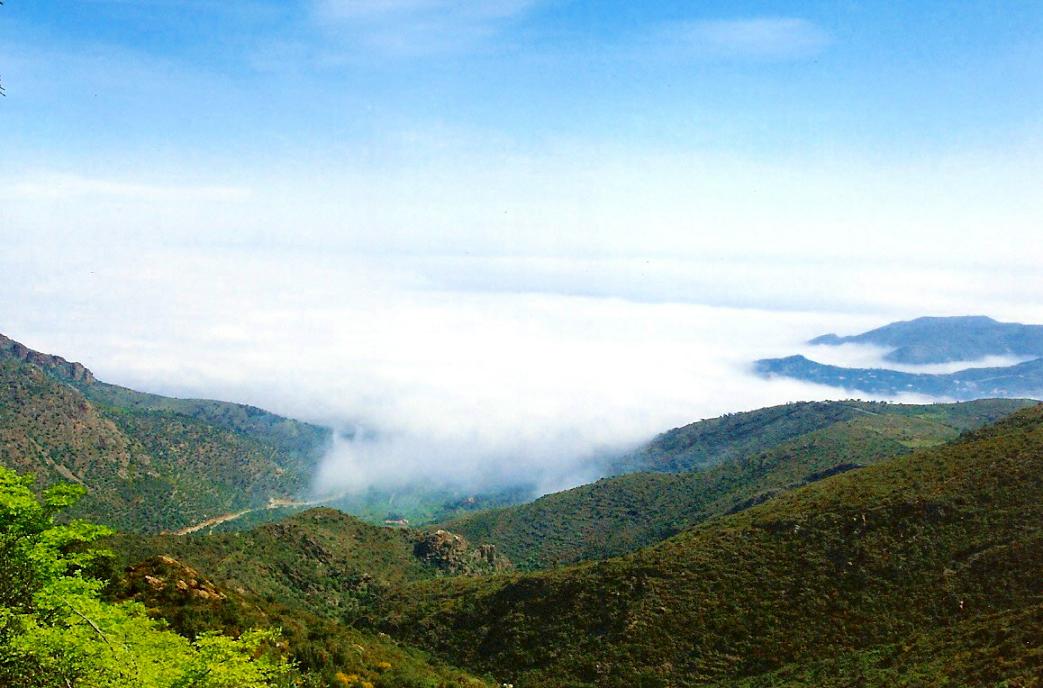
point(197, 81)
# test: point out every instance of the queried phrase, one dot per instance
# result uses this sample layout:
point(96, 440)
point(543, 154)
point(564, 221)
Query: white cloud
point(50, 187)
point(356, 9)
point(463, 381)
point(758, 37)
point(418, 27)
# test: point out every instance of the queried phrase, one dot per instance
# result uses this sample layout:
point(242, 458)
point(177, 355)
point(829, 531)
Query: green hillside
point(149, 463)
point(320, 560)
point(734, 435)
point(324, 652)
point(923, 570)
point(618, 515)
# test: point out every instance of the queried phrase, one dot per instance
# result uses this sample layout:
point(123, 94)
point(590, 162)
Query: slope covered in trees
point(620, 514)
point(320, 560)
point(147, 462)
point(922, 570)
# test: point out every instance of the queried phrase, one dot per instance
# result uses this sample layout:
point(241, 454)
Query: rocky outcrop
point(454, 555)
point(56, 365)
point(163, 578)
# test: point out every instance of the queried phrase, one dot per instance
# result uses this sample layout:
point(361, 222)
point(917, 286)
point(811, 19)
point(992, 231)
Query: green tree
point(55, 630)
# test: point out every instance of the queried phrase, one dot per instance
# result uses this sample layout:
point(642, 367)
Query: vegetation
point(56, 631)
point(148, 463)
point(618, 515)
point(320, 560)
point(736, 435)
point(324, 653)
point(902, 573)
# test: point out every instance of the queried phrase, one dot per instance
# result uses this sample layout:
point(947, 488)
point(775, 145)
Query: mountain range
point(927, 341)
point(831, 544)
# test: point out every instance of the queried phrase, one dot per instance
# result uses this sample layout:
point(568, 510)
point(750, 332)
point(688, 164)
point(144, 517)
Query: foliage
point(321, 559)
point(56, 631)
point(320, 648)
point(150, 463)
point(618, 515)
point(915, 571)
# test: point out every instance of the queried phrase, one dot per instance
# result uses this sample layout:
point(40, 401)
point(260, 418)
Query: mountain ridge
point(946, 339)
point(619, 514)
point(832, 581)
point(1020, 380)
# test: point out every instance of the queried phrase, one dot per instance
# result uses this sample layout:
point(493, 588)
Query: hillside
point(618, 515)
point(922, 570)
point(149, 463)
point(716, 440)
point(326, 653)
point(320, 560)
point(942, 340)
point(1022, 380)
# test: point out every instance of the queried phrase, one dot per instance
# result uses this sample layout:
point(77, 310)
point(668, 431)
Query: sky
point(511, 234)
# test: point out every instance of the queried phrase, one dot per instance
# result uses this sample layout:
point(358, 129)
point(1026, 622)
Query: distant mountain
point(148, 462)
point(757, 455)
point(1022, 380)
point(943, 340)
point(922, 570)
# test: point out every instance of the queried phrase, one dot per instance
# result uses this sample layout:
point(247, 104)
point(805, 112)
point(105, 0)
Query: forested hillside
point(618, 515)
point(148, 462)
point(922, 570)
point(321, 559)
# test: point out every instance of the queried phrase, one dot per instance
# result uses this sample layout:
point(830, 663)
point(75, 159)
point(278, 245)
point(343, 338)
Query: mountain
point(942, 340)
point(734, 435)
point(922, 570)
point(149, 462)
point(713, 441)
point(621, 514)
point(1022, 380)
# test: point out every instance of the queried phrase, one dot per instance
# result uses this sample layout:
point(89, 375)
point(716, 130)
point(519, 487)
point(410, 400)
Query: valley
point(807, 544)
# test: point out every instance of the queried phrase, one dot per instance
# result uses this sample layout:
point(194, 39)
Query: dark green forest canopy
point(885, 573)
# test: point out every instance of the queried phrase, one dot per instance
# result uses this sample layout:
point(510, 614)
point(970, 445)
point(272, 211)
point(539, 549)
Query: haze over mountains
point(230, 462)
point(965, 341)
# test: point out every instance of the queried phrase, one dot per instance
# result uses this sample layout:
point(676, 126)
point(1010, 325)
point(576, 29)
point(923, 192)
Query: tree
point(56, 631)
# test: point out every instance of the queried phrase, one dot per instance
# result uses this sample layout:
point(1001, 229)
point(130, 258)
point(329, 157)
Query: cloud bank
point(455, 371)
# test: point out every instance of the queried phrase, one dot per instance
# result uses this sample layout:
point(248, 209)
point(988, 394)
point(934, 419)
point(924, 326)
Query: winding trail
point(273, 503)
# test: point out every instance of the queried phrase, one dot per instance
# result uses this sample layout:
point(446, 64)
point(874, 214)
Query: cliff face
point(74, 372)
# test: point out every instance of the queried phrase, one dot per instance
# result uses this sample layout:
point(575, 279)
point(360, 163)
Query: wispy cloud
point(63, 186)
point(751, 38)
point(416, 27)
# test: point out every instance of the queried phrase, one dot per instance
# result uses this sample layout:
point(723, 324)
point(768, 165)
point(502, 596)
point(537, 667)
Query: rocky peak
point(56, 365)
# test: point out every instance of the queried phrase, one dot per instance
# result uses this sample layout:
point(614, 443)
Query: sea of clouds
point(464, 371)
